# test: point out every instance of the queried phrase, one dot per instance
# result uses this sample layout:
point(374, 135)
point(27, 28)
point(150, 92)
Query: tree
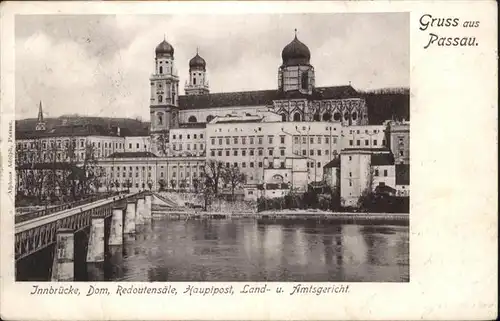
point(213, 172)
point(89, 169)
point(206, 189)
point(234, 178)
point(367, 199)
point(162, 144)
point(196, 182)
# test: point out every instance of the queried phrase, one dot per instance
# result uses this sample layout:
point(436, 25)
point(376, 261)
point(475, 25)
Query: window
point(130, 145)
point(136, 146)
point(243, 140)
point(260, 140)
point(358, 142)
point(235, 153)
point(401, 153)
point(201, 136)
point(319, 164)
point(227, 165)
point(319, 139)
point(270, 152)
point(374, 142)
point(251, 140)
point(383, 142)
point(385, 172)
point(235, 164)
point(283, 117)
point(180, 136)
point(305, 81)
point(251, 152)
point(194, 146)
point(195, 136)
point(244, 153)
point(350, 183)
point(319, 152)
point(304, 152)
point(260, 152)
point(375, 172)
point(350, 158)
point(335, 140)
point(235, 139)
point(282, 152)
point(296, 139)
point(160, 98)
point(296, 116)
point(219, 153)
point(213, 141)
point(251, 164)
point(260, 164)
point(350, 174)
point(220, 141)
point(270, 139)
point(304, 140)
point(243, 164)
point(189, 136)
point(311, 152)
point(366, 142)
point(161, 69)
point(188, 146)
point(311, 140)
point(227, 153)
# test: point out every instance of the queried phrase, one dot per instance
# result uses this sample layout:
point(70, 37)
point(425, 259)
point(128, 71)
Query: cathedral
point(296, 98)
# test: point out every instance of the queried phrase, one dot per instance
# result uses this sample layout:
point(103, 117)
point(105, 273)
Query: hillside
point(382, 105)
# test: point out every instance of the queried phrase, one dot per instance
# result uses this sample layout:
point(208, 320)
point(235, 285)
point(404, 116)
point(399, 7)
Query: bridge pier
point(63, 268)
point(129, 225)
point(95, 251)
point(140, 207)
point(116, 235)
point(147, 203)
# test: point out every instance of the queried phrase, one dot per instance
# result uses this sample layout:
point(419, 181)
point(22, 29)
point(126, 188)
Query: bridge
point(108, 218)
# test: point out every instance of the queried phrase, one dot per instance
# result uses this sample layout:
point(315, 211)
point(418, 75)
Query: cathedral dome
point(197, 62)
point(164, 48)
point(295, 53)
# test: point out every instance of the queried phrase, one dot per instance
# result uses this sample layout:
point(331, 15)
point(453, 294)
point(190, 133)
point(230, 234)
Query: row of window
point(313, 139)
point(374, 142)
point(195, 136)
point(243, 139)
point(65, 143)
point(188, 146)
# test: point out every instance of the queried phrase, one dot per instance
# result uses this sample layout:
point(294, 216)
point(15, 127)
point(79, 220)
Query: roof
point(261, 97)
point(382, 159)
point(69, 130)
point(193, 125)
point(382, 188)
point(333, 163)
point(131, 155)
point(365, 150)
point(402, 174)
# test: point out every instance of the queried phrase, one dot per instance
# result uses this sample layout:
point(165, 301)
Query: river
point(244, 250)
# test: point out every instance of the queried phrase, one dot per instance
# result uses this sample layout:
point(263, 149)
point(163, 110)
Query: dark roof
point(382, 188)
point(47, 165)
point(361, 149)
point(69, 130)
point(239, 120)
point(131, 155)
point(261, 97)
point(382, 159)
point(402, 174)
point(333, 163)
point(193, 125)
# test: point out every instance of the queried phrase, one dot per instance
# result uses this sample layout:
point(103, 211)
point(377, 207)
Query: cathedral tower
point(164, 107)
point(296, 73)
point(198, 83)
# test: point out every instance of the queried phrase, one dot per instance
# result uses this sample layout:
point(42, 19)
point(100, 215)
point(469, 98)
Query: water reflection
point(242, 250)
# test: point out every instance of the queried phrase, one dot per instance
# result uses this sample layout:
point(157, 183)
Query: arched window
point(160, 118)
point(161, 70)
point(354, 116)
point(305, 81)
point(336, 116)
point(160, 98)
point(209, 118)
point(327, 116)
point(346, 116)
point(296, 116)
point(316, 117)
point(194, 81)
point(192, 119)
point(283, 117)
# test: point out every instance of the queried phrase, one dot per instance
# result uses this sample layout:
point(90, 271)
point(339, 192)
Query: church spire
point(40, 125)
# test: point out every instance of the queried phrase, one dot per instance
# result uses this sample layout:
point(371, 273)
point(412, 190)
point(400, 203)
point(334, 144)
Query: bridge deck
point(26, 225)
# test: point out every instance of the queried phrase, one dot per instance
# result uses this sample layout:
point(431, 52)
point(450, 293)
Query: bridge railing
point(32, 215)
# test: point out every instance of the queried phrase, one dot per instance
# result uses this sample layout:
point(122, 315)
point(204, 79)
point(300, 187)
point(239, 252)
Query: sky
point(99, 65)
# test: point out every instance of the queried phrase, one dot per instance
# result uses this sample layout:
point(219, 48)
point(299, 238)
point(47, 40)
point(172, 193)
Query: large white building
point(284, 135)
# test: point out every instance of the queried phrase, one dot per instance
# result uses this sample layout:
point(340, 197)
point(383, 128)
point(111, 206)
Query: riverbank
point(287, 216)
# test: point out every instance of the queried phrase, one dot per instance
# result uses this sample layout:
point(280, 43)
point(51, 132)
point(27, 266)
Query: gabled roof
point(261, 97)
point(131, 155)
point(333, 163)
point(402, 174)
point(382, 159)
